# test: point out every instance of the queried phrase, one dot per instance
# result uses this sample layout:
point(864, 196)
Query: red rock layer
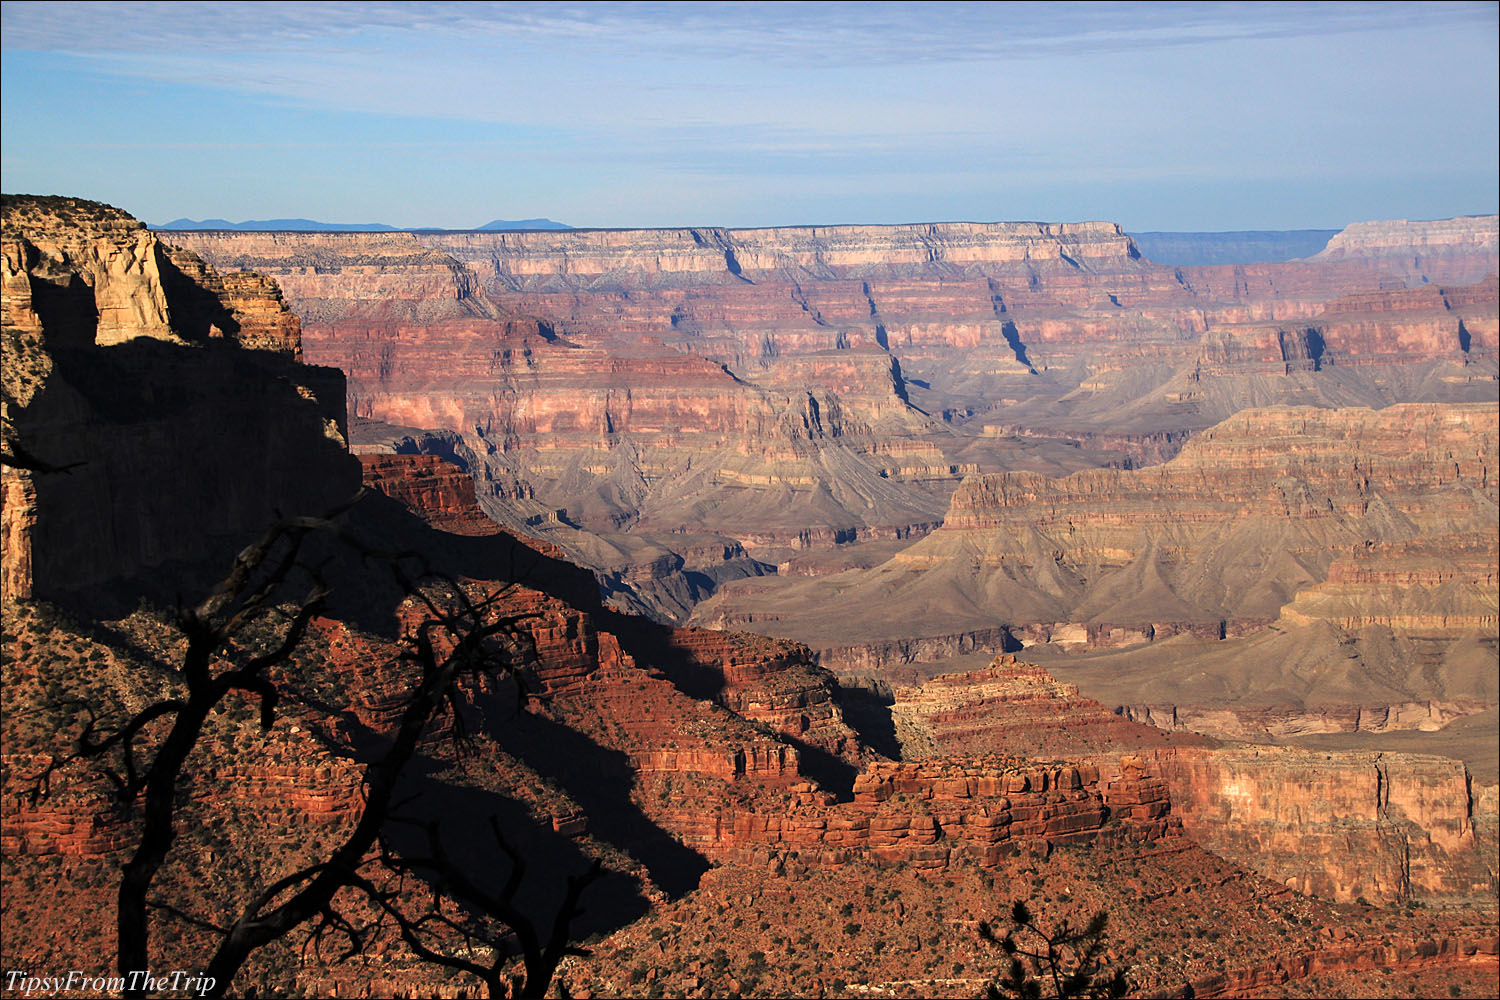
point(1333, 825)
point(76, 815)
point(437, 490)
point(927, 815)
point(72, 819)
point(1017, 707)
point(771, 681)
point(1391, 326)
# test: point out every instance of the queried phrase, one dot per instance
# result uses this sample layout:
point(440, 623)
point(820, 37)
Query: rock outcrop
point(1337, 825)
point(1012, 705)
point(1341, 826)
point(948, 811)
point(111, 341)
point(436, 489)
point(1416, 242)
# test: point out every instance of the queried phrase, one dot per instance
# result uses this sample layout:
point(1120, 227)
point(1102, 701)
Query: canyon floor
point(862, 581)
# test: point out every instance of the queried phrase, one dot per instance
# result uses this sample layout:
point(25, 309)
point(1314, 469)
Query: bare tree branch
point(235, 636)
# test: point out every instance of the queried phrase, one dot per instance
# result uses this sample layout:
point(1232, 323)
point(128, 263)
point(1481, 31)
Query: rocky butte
point(765, 828)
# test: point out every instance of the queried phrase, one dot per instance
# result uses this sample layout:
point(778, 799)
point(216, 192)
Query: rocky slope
point(1218, 540)
point(1337, 825)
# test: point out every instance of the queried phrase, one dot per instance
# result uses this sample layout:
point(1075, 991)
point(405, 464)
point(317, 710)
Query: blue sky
point(1160, 116)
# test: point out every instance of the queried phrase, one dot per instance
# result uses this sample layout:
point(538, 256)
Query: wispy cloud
point(800, 33)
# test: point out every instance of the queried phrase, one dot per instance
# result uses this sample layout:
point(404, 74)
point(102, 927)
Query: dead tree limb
point(460, 636)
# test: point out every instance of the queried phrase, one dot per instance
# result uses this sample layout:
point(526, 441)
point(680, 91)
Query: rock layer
point(1337, 825)
point(1341, 826)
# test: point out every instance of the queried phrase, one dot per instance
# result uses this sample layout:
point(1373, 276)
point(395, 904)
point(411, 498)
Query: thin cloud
point(800, 33)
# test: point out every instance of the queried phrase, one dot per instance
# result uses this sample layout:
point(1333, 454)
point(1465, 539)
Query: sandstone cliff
point(1337, 825)
point(1340, 826)
point(111, 340)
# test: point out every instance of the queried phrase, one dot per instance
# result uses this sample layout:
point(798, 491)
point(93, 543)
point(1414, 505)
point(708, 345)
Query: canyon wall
point(655, 748)
point(747, 297)
point(1337, 825)
point(110, 340)
point(813, 387)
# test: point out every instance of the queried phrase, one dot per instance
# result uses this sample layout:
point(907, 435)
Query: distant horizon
point(184, 223)
point(1162, 118)
point(567, 227)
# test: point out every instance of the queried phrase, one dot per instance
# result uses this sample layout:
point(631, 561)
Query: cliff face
point(1414, 241)
point(1336, 825)
point(1438, 585)
point(437, 490)
point(1013, 705)
point(111, 340)
point(951, 811)
point(624, 258)
point(1340, 826)
point(749, 296)
point(1391, 327)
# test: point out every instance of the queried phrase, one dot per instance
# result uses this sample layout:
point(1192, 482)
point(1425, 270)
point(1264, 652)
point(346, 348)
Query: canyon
point(780, 429)
point(673, 407)
point(880, 446)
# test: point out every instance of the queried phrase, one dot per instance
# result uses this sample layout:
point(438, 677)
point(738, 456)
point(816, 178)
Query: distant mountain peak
point(524, 224)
